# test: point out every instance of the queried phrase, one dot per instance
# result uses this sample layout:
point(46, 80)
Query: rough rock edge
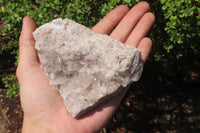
point(106, 98)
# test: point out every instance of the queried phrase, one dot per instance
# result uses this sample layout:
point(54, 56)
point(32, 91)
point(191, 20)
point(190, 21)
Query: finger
point(145, 48)
point(27, 51)
point(127, 24)
point(106, 25)
point(141, 29)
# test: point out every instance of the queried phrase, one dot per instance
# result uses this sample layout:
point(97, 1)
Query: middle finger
point(125, 27)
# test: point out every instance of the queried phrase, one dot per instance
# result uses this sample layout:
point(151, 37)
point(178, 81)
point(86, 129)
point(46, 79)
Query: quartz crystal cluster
point(85, 67)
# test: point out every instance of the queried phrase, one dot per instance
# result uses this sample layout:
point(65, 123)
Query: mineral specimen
point(85, 67)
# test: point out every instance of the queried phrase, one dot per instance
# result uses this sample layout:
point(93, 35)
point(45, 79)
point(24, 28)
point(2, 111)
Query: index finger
point(106, 25)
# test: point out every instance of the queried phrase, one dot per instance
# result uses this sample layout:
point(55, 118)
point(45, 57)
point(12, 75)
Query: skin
point(44, 110)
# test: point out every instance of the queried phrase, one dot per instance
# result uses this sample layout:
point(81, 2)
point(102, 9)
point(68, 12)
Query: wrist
point(32, 126)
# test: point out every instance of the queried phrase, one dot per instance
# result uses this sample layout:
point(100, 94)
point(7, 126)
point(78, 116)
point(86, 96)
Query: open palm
point(44, 110)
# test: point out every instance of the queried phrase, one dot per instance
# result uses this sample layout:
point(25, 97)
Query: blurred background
point(167, 97)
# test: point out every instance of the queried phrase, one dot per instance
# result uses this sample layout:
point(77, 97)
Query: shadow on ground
point(160, 102)
point(163, 101)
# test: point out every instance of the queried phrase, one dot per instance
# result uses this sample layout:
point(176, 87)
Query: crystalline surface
point(85, 67)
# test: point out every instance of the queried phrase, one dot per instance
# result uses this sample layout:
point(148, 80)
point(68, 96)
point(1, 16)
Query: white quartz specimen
point(85, 67)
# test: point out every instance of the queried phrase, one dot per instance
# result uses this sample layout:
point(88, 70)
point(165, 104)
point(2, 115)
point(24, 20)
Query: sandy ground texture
point(10, 114)
point(159, 102)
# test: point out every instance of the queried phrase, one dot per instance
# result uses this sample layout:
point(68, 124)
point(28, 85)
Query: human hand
point(44, 110)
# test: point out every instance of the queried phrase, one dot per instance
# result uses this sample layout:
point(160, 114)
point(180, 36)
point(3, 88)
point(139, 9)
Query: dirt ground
point(158, 103)
point(10, 114)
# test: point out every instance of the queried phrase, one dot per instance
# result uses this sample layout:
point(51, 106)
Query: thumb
point(27, 52)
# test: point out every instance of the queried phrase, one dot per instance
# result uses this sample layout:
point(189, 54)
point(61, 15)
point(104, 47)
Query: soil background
point(159, 103)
